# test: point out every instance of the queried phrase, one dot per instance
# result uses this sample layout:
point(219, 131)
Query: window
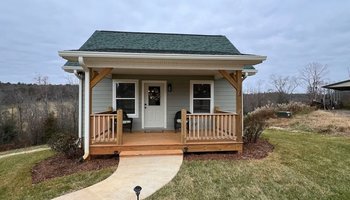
point(202, 93)
point(125, 96)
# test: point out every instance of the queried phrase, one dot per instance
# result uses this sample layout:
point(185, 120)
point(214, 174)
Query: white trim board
point(165, 91)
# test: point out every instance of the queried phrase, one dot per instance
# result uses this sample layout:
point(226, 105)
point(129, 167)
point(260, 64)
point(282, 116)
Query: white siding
point(102, 95)
point(224, 95)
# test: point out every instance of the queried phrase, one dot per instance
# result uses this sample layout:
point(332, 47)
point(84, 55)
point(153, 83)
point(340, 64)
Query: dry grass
point(320, 121)
point(302, 166)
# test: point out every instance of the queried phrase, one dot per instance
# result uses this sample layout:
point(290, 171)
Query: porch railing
point(106, 128)
point(209, 127)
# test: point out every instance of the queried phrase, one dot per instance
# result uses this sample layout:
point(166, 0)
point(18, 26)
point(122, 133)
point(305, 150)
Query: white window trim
point(165, 92)
point(114, 96)
point(211, 93)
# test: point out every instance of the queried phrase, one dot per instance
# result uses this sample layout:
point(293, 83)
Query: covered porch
point(203, 127)
point(198, 132)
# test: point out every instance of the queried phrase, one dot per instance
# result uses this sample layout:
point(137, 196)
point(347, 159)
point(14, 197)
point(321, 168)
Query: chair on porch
point(127, 121)
point(177, 120)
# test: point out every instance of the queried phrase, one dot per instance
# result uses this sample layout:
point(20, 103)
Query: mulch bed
point(59, 165)
point(257, 150)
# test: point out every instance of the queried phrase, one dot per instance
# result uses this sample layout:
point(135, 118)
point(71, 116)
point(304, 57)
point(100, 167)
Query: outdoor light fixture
point(170, 87)
point(137, 190)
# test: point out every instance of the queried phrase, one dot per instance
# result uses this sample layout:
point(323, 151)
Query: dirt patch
point(257, 150)
point(59, 165)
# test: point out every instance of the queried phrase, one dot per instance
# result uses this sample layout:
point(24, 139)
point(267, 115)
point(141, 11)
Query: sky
point(290, 33)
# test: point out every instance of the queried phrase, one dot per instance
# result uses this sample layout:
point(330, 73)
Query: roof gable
point(139, 42)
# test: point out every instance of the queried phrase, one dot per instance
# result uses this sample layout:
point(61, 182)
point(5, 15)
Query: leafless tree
point(312, 77)
point(43, 82)
point(254, 97)
point(284, 86)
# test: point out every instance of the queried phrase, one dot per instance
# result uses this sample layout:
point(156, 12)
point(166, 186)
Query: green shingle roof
point(139, 42)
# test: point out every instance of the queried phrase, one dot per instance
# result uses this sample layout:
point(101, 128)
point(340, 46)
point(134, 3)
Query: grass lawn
point(302, 166)
point(16, 183)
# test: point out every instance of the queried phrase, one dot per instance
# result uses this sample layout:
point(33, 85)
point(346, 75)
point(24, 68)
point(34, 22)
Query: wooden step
point(150, 153)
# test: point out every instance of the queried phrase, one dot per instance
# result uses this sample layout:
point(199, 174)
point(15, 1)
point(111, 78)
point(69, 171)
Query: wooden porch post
point(119, 127)
point(235, 79)
point(183, 125)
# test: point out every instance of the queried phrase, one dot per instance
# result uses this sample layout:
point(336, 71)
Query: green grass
point(302, 166)
point(15, 176)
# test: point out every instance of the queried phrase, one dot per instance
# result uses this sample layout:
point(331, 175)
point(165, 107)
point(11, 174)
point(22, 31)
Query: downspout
point(87, 108)
point(80, 76)
point(243, 78)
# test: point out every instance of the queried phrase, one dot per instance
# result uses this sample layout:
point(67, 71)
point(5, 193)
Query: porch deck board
point(140, 138)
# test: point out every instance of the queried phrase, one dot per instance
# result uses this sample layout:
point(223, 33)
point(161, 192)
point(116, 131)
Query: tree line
point(310, 80)
point(31, 113)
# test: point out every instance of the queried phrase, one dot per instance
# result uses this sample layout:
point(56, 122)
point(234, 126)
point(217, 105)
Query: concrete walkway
point(24, 152)
point(149, 172)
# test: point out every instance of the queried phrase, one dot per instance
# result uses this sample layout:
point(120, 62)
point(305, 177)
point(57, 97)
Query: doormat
point(154, 131)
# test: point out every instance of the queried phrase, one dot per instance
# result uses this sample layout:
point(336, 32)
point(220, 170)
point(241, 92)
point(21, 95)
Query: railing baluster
point(198, 123)
point(112, 124)
point(206, 126)
point(225, 125)
point(94, 127)
point(108, 129)
point(201, 128)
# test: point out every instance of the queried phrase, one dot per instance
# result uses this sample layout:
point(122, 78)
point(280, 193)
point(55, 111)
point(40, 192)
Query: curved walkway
point(149, 172)
point(24, 152)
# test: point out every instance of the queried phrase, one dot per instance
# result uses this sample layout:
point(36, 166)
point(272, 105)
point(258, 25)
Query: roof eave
point(73, 56)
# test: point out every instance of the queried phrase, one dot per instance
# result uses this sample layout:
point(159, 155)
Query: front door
point(154, 105)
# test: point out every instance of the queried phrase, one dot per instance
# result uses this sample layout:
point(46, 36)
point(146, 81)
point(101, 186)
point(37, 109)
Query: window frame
point(211, 82)
point(114, 96)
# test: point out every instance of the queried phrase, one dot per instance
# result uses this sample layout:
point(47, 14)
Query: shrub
point(255, 122)
point(254, 125)
point(295, 108)
point(66, 144)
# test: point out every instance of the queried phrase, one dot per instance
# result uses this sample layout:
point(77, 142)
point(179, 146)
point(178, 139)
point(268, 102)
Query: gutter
point(72, 55)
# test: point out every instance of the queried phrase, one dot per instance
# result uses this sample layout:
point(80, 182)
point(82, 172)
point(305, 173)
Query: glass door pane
point(154, 96)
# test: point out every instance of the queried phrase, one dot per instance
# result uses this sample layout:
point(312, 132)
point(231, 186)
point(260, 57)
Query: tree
point(43, 82)
point(284, 87)
point(312, 77)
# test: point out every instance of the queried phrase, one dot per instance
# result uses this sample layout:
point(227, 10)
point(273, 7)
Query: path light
point(137, 190)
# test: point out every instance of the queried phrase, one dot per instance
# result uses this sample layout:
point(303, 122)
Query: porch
point(198, 133)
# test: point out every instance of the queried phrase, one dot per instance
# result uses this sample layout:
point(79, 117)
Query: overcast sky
point(291, 34)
